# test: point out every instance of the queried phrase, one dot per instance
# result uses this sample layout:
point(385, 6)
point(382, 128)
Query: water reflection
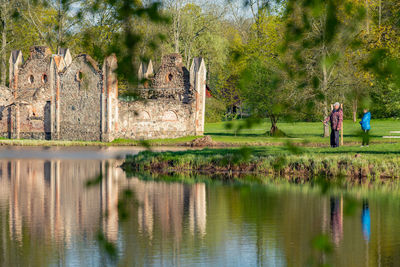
point(170, 204)
point(366, 220)
point(336, 221)
point(37, 195)
point(48, 201)
point(49, 218)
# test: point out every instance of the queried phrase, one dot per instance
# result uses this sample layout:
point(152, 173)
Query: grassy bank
point(225, 134)
point(118, 142)
point(375, 163)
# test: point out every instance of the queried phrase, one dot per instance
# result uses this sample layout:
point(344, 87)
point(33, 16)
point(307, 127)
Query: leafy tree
point(8, 17)
point(265, 92)
point(101, 22)
point(54, 21)
point(226, 85)
point(316, 40)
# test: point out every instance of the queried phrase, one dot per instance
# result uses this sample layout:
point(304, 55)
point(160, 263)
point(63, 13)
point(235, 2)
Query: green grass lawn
point(380, 150)
point(298, 131)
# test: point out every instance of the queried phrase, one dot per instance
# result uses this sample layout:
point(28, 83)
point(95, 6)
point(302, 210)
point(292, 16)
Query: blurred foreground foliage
point(279, 59)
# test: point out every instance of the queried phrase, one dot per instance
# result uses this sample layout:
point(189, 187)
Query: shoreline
point(187, 142)
point(306, 167)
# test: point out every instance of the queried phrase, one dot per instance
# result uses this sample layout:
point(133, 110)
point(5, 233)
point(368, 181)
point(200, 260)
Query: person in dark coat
point(336, 120)
point(366, 126)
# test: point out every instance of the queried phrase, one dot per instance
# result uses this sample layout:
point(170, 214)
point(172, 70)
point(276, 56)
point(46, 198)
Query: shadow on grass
point(238, 134)
point(253, 135)
point(371, 152)
point(289, 135)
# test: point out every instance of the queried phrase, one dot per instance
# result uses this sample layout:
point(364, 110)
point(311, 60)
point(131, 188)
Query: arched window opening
point(169, 77)
point(44, 78)
point(79, 76)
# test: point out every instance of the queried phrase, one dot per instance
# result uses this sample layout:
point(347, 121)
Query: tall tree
point(316, 39)
point(7, 16)
point(99, 26)
point(175, 9)
point(265, 88)
point(54, 20)
point(265, 92)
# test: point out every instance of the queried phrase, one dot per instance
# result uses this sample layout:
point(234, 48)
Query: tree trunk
point(177, 25)
point(326, 130)
point(367, 15)
point(326, 114)
point(380, 13)
point(3, 65)
point(274, 129)
point(325, 89)
point(60, 26)
point(355, 110)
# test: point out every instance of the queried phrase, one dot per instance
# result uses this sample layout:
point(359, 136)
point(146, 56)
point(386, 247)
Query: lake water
point(48, 217)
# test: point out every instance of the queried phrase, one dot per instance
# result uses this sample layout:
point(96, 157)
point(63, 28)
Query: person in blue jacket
point(366, 126)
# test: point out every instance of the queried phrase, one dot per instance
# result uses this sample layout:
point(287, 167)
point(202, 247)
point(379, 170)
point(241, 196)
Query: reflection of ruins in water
point(49, 200)
point(171, 203)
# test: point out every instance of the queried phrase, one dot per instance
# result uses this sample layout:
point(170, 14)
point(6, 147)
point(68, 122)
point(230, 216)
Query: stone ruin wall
point(168, 109)
point(31, 92)
point(154, 118)
point(34, 95)
point(172, 74)
point(5, 111)
point(80, 101)
point(49, 99)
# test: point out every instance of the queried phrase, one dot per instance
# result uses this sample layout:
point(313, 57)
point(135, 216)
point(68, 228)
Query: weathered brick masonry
point(55, 96)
